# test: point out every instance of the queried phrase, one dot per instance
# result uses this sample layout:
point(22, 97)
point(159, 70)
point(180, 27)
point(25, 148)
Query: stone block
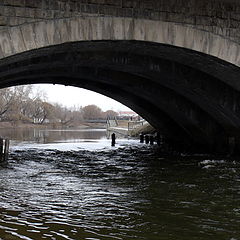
point(119, 12)
point(146, 4)
point(30, 12)
point(58, 14)
point(94, 1)
point(235, 16)
point(47, 13)
point(34, 3)
point(61, 6)
point(63, 30)
point(52, 35)
point(9, 11)
point(1, 10)
point(130, 3)
point(16, 21)
point(53, 5)
point(45, 4)
point(91, 8)
point(72, 6)
point(18, 43)
point(116, 3)
point(108, 10)
point(38, 13)
point(41, 40)
point(3, 21)
point(155, 15)
point(32, 20)
point(28, 36)
point(20, 12)
point(16, 3)
point(5, 44)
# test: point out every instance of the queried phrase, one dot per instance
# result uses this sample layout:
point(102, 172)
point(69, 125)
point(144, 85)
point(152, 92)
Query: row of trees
point(28, 104)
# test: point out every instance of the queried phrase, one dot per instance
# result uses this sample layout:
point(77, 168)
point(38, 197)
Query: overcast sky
point(70, 96)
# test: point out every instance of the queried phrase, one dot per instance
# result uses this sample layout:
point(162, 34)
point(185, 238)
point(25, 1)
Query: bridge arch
point(39, 34)
point(184, 81)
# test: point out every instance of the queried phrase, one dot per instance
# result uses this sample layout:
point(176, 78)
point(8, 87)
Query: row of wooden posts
point(148, 139)
point(4, 149)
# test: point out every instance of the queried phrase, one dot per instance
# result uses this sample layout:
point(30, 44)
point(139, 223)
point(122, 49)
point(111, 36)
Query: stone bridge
point(175, 62)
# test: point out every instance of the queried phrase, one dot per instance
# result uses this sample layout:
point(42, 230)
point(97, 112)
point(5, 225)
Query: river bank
point(83, 125)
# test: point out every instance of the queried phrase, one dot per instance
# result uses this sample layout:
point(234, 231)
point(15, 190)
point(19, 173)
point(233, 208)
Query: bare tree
point(7, 99)
point(48, 112)
point(28, 104)
point(92, 112)
point(109, 113)
point(68, 116)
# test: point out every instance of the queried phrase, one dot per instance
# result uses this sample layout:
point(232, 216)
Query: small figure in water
point(113, 139)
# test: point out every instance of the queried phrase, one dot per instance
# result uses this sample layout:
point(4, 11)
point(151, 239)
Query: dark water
point(127, 192)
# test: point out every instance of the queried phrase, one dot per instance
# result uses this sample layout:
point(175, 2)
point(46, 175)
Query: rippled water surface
point(127, 192)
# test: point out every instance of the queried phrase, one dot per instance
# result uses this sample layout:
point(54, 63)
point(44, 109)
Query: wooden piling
point(232, 144)
point(158, 138)
point(147, 139)
point(151, 140)
point(1, 150)
point(113, 139)
point(4, 149)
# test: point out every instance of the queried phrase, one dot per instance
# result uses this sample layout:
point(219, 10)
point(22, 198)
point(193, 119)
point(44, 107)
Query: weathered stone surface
point(215, 14)
point(6, 43)
point(111, 28)
point(18, 43)
point(3, 21)
point(16, 3)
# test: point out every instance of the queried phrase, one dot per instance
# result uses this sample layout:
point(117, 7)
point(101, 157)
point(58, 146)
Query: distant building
point(127, 114)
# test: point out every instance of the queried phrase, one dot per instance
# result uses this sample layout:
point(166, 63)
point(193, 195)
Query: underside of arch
point(192, 98)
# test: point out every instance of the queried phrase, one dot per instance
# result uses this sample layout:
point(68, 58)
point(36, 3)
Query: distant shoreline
point(83, 125)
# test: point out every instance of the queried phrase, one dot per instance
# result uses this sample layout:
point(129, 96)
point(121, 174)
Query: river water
point(73, 185)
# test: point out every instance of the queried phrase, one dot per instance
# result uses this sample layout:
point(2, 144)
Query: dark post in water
point(4, 148)
point(158, 138)
point(141, 138)
point(147, 139)
point(151, 139)
point(1, 150)
point(113, 139)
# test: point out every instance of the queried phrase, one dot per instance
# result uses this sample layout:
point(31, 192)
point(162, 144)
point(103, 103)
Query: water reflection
point(51, 135)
